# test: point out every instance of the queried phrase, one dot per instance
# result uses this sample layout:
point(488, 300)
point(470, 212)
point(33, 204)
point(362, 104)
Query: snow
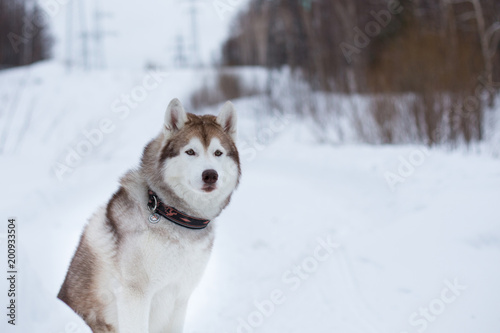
point(133, 34)
point(315, 238)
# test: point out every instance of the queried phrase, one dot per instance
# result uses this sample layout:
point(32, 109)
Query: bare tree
point(23, 33)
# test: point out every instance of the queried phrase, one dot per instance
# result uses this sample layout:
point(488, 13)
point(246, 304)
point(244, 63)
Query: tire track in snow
point(13, 107)
point(356, 301)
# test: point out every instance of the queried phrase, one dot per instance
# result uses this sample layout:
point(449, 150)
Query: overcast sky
point(140, 31)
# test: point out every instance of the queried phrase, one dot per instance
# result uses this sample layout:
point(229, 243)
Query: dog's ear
point(175, 117)
point(227, 119)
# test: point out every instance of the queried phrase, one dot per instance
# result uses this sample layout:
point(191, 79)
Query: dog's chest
point(177, 260)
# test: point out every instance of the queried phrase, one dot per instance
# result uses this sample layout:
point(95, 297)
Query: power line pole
point(69, 35)
point(84, 35)
point(99, 35)
point(195, 59)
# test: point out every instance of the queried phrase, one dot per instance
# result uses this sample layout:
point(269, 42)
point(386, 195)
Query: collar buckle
point(153, 209)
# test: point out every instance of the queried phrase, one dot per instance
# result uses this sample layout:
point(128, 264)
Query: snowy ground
point(316, 239)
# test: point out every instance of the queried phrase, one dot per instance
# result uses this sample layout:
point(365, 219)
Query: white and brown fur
point(131, 276)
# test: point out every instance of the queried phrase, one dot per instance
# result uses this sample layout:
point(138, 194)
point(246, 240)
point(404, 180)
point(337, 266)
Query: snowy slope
point(315, 239)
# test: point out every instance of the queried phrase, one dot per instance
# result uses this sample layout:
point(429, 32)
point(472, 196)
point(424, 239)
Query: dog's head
point(198, 154)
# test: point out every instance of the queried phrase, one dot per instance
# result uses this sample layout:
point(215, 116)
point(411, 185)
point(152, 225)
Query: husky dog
point(141, 255)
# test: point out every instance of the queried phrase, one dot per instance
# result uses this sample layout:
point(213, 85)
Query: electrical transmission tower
point(76, 27)
point(84, 35)
point(69, 35)
point(180, 57)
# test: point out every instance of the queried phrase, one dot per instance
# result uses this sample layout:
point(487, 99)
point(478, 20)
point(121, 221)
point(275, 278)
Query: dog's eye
point(190, 152)
point(218, 153)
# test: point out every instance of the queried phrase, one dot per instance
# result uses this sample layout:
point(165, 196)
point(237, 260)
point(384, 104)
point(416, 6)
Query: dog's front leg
point(179, 314)
point(133, 311)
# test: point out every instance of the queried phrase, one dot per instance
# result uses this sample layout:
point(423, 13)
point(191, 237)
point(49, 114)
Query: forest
point(440, 58)
point(24, 37)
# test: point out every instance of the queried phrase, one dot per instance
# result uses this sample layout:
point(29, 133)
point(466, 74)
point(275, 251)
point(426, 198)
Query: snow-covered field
point(317, 238)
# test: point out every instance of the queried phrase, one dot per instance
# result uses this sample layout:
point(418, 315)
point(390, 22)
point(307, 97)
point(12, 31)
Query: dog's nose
point(209, 176)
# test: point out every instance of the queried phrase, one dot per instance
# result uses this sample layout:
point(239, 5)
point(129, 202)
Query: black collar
point(157, 207)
